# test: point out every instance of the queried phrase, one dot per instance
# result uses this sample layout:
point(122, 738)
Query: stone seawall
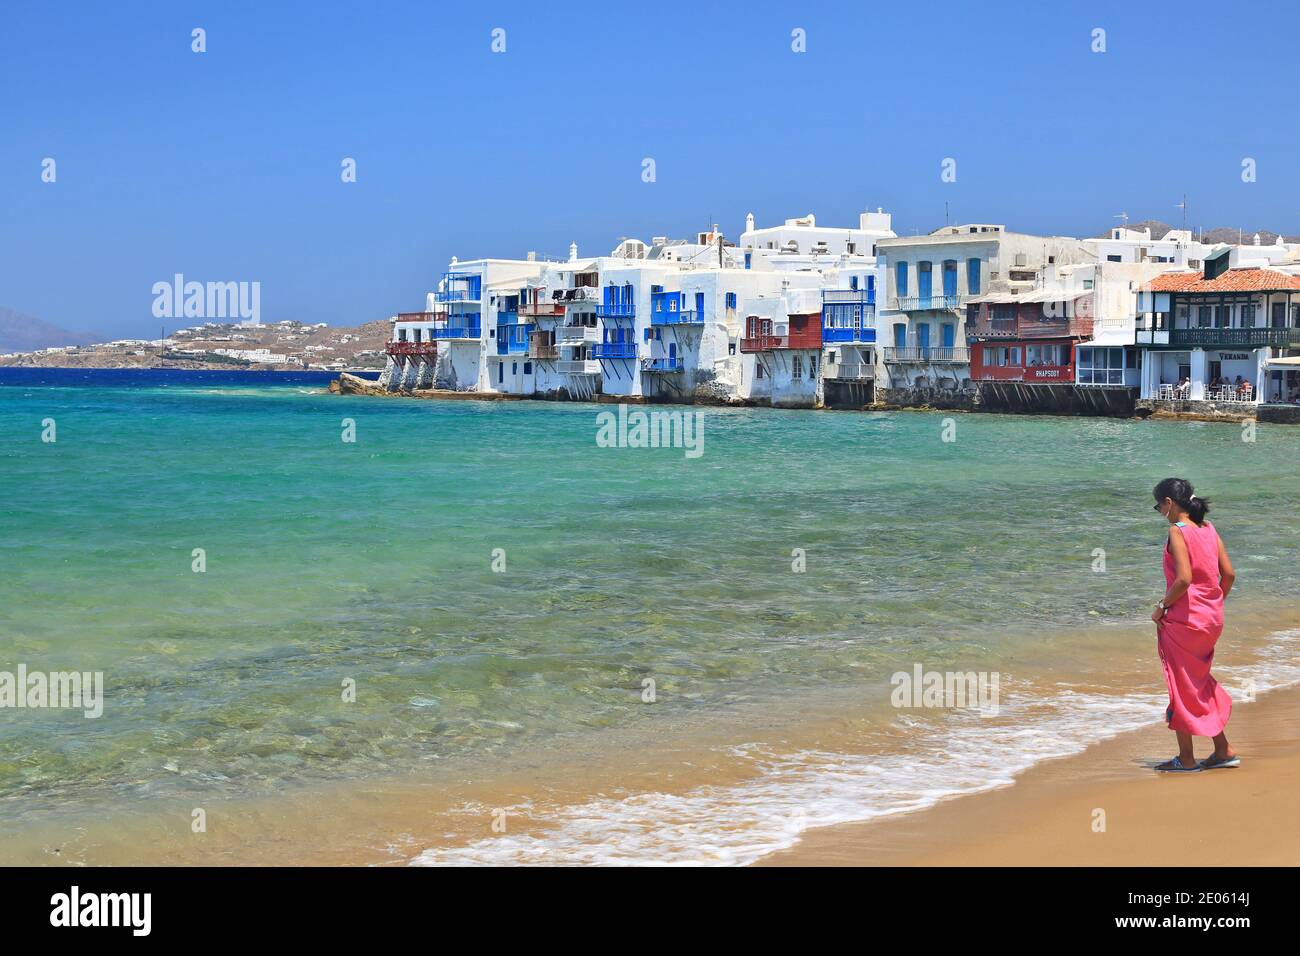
point(1056, 399)
point(1194, 411)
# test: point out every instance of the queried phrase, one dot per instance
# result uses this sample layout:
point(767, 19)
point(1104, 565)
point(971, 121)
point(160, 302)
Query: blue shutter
point(900, 281)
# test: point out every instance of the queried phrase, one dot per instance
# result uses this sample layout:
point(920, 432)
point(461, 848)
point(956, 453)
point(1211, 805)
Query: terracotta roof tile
point(1233, 280)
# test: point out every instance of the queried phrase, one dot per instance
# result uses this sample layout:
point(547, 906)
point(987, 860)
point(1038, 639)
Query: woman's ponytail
point(1179, 490)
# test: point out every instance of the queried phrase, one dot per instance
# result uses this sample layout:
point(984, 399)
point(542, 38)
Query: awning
point(1289, 362)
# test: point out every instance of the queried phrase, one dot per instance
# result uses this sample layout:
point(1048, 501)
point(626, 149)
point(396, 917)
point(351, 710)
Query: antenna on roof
point(1183, 206)
point(1123, 216)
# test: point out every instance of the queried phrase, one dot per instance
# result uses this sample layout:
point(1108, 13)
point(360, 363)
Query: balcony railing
point(929, 356)
point(412, 349)
point(474, 331)
point(1239, 338)
point(578, 367)
point(918, 303)
point(664, 365)
point(457, 295)
point(764, 343)
point(677, 317)
point(614, 350)
point(616, 310)
point(848, 296)
point(576, 334)
point(460, 287)
point(849, 371)
point(542, 309)
point(831, 334)
point(1031, 329)
point(421, 316)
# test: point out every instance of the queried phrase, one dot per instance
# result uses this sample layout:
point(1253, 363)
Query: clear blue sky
point(225, 165)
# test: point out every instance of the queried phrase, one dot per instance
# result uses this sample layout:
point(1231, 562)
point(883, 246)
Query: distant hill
point(25, 333)
point(1222, 234)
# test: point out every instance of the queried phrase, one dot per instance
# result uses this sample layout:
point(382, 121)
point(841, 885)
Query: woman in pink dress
point(1189, 620)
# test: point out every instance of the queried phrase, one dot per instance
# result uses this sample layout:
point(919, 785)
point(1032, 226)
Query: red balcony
point(424, 350)
point(805, 332)
point(421, 316)
point(1031, 320)
point(764, 343)
point(542, 310)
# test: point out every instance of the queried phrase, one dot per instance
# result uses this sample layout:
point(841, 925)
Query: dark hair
point(1180, 491)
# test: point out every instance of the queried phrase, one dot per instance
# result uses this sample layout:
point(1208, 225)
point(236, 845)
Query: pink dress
point(1186, 639)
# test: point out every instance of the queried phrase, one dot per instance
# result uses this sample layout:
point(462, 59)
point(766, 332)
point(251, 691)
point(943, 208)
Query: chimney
point(749, 223)
point(532, 256)
point(1256, 238)
point(573, 252)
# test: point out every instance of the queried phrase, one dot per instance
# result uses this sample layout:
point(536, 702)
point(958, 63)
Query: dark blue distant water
point(162, 377)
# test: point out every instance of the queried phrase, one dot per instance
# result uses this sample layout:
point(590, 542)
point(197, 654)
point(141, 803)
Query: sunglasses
point(1158, 505)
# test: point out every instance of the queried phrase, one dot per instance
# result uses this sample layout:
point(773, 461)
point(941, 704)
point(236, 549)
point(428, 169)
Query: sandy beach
point(1233, 817)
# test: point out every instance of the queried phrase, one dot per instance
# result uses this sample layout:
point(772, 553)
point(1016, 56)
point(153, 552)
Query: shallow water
point(372, 562)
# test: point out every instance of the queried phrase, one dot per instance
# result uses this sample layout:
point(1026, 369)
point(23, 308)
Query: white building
point(1214, 334)
point(921, 323)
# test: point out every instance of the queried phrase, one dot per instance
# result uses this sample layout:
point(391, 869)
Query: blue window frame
point(950, 278)
point(731, 300)
point(973, 276)
point(900, 279)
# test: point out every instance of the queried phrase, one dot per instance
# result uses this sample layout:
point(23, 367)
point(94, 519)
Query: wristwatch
point(1163, 606)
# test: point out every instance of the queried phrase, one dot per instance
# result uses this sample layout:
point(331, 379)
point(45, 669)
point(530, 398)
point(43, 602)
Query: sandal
point(1212, 762)
point(1175, 766)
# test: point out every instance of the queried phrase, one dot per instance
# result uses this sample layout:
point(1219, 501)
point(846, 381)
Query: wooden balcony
point(542, 310)
point(424, 350)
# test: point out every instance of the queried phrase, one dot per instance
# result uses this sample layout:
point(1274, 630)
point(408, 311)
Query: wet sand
point(1243, 816)
point(1236, 817)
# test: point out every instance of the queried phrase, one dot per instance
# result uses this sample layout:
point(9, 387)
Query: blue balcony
point(835, 333)
point(512, 336)
point(662, 365)
point(614, 350)
point(460, 287)
point(616, 310)
point(686, 317)
point(461, 330)
point(848, 321)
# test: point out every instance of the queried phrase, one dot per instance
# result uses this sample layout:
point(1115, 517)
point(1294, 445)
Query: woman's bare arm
point(1182, 567)
point(1226, 574)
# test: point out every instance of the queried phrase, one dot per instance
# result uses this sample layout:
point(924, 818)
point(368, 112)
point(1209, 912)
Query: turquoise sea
point(332, 563)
